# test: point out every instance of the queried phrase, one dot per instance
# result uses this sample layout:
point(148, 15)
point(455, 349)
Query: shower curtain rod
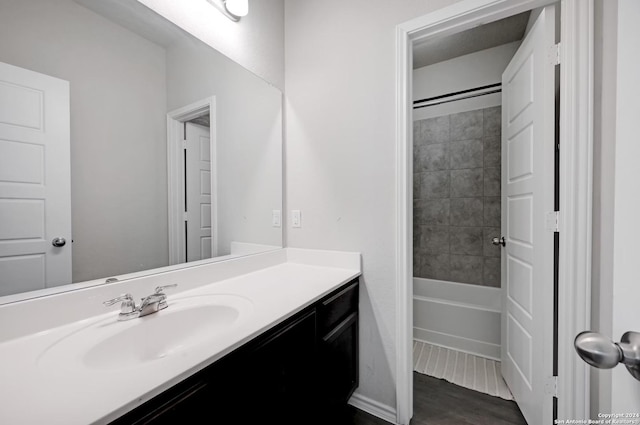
point(459, 95)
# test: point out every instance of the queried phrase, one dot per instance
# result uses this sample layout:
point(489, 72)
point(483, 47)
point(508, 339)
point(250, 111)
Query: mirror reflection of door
point(35, 190)
point(198, 218)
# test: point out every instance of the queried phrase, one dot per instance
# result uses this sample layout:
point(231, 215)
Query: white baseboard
point(373, 407)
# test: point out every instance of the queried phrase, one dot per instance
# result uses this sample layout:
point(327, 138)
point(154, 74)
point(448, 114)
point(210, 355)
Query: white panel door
point(527, 195)
point(35, 185)
point(198, 192)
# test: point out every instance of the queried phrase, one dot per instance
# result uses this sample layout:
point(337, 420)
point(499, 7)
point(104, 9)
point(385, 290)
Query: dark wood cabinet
point(305, 368)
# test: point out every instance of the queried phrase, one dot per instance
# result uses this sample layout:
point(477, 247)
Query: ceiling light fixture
point(232, 9)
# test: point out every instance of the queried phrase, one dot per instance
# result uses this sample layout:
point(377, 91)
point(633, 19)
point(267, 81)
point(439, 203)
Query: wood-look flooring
point(438, 402)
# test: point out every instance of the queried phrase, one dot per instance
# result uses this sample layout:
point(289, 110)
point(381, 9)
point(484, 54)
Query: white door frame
point(175, 176)
point(576, 136)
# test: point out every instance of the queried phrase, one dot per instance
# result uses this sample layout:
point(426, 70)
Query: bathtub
point(459, 316)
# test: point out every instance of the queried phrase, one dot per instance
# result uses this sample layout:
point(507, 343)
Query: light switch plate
point(296, 218)
point(276, 218)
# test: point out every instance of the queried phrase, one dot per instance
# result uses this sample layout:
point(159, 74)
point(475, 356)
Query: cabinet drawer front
point(337, 307)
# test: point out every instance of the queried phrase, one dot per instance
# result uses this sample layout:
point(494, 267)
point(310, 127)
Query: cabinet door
point(185, 405)
point(280, 373)
point(339, 362)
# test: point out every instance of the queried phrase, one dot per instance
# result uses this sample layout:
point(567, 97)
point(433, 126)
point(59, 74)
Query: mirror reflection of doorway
point(191, 153)
point(197, 165)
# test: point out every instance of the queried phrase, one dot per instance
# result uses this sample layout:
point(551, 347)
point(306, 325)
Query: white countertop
point(34, 392)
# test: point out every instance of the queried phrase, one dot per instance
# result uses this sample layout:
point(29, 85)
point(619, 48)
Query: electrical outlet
point(296, 218)
point(276, 218)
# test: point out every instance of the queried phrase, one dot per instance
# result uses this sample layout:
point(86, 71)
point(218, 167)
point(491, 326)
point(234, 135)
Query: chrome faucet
point(150, 304)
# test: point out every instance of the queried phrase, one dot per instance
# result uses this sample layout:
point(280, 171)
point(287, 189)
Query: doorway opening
point(191, 152)
point(457, 211)
point(464, 308)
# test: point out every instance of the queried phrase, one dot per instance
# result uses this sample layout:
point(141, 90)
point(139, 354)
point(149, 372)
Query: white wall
point(464, 72)
point(255, 42)
point(340, 155)
point(118, 104)
point(249, 139)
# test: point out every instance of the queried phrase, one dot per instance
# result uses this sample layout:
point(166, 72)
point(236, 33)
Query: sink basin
point(187, 323)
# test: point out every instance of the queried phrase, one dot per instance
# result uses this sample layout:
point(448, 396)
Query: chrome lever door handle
point(498, 241)
point(599, 351)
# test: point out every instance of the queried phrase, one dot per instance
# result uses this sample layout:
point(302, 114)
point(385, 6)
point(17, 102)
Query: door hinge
point(185, 216)
point(552, 222)
point(551, 386)
point(184, 144)
point(554, 54)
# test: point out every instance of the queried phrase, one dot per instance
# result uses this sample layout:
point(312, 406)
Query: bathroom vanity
point(305, 369)
point(271, 337)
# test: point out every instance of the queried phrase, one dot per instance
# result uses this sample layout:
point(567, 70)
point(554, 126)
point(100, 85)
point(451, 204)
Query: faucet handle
point(128, 309)
point(160, 289)
point(124, 298)
point(163, 297)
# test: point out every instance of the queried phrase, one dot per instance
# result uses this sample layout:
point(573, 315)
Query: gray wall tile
point(492, 158)
point(467, 269)
point(432, 157)
point(467, 125)
point(434, 240)
point(488, 248)
point(432, 211)
point(491, 272)
point(457, 161)
point(417, 180)
point(416, 134)
point(492, 142)
point(467, 183)
point(467, 154)
point(434, 267)
point(466, 212)
point(417, 234)
point(492, 211)
point(466, 240)
point(492, 121)
point(433, 130)
point(434, 184)
point(492, 181)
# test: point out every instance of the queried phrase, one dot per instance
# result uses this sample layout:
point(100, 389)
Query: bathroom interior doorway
point(483, 170)
point(461, 263)
point(191, 151)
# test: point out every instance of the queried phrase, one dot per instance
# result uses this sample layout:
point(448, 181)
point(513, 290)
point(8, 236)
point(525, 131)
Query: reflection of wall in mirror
point(256, 42)
point(118, 106)
point(119, 84)
point(249, 138)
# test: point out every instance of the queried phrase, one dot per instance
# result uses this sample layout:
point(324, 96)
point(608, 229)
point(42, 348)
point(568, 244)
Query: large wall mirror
point(126, 145)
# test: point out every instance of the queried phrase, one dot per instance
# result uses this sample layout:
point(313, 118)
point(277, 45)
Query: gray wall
point(456, 207)
point(118, 148)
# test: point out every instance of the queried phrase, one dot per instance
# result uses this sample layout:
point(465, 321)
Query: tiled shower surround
point(456, 191)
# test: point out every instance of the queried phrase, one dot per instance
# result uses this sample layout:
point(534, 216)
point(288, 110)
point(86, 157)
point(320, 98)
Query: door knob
point(498, 241)
point(58, 242)
point(599, 351)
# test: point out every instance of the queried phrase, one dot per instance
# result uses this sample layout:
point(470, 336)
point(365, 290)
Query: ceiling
point(437, 49)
